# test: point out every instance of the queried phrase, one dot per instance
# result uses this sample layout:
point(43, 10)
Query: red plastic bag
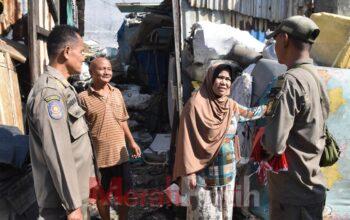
point(276, 164)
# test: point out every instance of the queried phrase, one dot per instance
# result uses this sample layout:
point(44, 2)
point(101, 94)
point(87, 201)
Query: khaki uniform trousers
point(282, 211)
point(60, 214)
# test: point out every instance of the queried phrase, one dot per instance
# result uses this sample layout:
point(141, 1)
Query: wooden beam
point(178, 99)
point(42, 32)
point(16, 50)
point(177, 39)
point(53, 11)
point(33, 18)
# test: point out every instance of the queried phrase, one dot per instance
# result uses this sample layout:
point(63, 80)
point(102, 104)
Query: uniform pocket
point(77, 124)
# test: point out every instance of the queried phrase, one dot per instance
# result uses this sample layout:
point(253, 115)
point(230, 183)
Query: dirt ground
point(148, 183)
point(151, 180)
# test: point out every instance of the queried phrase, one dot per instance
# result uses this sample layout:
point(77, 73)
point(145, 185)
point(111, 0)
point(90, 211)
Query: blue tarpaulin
point(154, 63)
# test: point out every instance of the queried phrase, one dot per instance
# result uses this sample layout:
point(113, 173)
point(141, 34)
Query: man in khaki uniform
point(60, 148)
point(296, 126)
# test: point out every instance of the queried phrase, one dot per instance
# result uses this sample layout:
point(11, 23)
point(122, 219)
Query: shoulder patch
point(52, 98)
point(280, 81)
point(271, 107)
point(281, 77)
point(274, 96)
point(55, 109)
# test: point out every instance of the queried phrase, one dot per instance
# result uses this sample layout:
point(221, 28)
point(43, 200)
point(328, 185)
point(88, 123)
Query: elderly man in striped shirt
point(107, 116)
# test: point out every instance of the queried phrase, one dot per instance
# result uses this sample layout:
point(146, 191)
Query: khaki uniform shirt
point(60, 148)
point(104, 115)
point(297, 129)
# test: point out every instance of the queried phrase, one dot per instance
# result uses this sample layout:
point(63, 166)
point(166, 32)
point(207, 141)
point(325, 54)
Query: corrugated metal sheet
point(272, 10)
point(152, 2)
point(191, 15)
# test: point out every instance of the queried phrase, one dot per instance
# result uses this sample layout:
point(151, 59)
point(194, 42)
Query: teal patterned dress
point(213, 196)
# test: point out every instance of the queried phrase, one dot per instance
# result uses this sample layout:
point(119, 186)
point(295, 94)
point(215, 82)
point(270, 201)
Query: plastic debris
point(213, 41)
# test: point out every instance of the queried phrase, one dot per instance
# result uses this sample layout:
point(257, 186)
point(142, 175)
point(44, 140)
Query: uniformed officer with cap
point(60, 148)
point(299, 107)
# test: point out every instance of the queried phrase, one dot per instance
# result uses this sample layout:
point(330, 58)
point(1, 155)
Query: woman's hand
point(192, 182)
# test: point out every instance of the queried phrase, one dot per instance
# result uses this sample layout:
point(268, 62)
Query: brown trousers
point(282, 211)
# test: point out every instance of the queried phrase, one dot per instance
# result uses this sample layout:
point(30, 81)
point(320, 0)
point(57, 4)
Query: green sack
point(331, 151)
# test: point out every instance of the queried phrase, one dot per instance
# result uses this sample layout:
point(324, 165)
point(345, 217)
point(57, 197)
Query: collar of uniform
point(93, 91)
point(302, 61)
point(56, 74)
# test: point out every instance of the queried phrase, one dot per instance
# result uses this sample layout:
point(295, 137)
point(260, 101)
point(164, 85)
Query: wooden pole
point(177, 32)
point(53, 11)
point(33, 18)
point(178, 105)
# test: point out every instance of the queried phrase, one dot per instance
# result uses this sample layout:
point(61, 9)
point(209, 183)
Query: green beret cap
point(299, 27)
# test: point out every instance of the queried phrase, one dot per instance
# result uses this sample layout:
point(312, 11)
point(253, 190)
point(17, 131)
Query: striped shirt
point(104, 115)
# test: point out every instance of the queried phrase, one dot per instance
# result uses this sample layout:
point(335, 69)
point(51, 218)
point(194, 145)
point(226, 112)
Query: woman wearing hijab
point(206, 153)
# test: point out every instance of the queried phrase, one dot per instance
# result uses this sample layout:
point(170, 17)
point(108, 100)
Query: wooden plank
point(42, 32)
point(10, 98)
point(16, 50)
point(15, 95)
point(5, 100)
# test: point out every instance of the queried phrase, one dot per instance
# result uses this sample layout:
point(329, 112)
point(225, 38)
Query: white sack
point(213, 41)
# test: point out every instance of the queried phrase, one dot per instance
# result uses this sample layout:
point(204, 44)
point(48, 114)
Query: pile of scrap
point(210, 42)
point(141, 68)
point(146, 40)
